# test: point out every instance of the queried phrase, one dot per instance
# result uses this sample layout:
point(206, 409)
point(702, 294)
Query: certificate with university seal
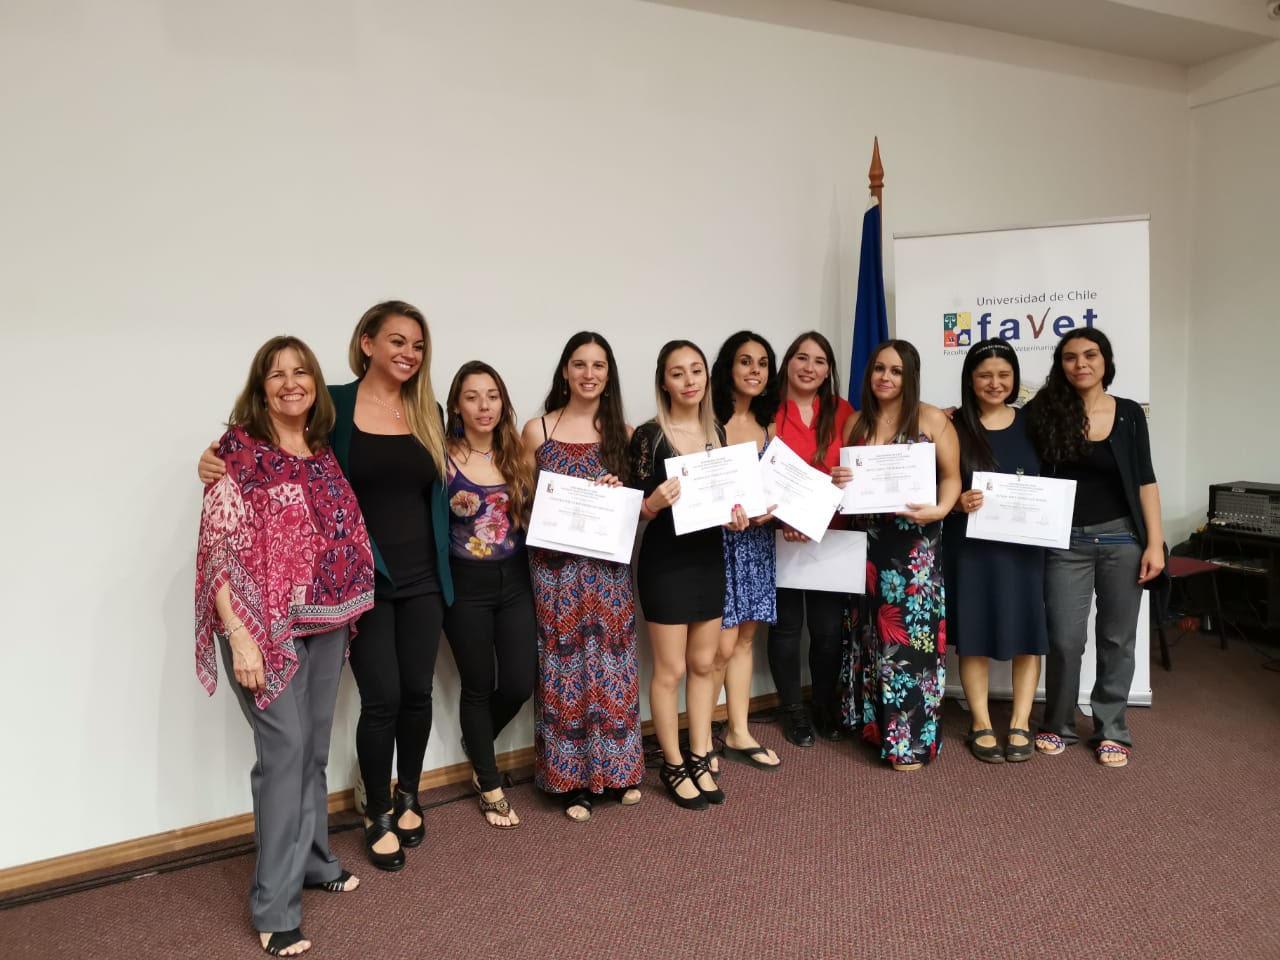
point(1017, 508)
point(575, 515)
point(805, 497)
point(889, 476)
point(712, 482)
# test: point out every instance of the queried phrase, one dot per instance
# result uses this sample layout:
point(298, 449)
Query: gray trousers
point(290, 792)
point(1103, 559)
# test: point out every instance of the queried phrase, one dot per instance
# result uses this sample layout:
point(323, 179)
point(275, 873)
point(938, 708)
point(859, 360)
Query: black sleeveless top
point(392, 476)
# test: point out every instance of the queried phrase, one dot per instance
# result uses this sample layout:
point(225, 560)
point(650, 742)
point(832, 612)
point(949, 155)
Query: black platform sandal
point(1016, 753)
point(379, 827)
point(672, 775)
point(408, 803)
point(282, 940)
point(579, 798)
point(337, 885)
point(992, 754)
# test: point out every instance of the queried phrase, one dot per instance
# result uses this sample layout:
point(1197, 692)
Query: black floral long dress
point(895, 665)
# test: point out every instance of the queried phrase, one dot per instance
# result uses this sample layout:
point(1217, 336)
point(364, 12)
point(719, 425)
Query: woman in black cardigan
point(1084, 434)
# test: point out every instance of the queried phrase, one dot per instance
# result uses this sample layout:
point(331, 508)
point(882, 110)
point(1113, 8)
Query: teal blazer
point(344, 402)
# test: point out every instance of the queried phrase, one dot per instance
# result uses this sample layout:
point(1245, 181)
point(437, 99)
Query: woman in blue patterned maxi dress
point(744, 392)
point(896, 673)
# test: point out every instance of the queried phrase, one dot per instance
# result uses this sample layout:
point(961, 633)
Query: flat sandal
point(991, 754)
point(502, 807)
point(1016, 753)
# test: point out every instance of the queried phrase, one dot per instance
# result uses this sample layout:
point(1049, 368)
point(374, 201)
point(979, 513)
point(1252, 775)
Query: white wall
point(180, 182)
point(1235, 326)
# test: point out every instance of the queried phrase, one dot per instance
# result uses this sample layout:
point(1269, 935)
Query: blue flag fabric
point(871, 315)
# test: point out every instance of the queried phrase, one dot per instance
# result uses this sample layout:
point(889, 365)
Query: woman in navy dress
point(995, 591)
point(744, 391)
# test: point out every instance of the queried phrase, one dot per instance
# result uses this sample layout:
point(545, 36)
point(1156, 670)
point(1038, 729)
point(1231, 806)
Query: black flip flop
point(992, 754)
point(283, 940)
point(751, 757)
point(336, 885)
point(1016, 753)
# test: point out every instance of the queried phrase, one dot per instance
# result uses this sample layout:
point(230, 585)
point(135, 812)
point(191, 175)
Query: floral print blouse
point(480, 526)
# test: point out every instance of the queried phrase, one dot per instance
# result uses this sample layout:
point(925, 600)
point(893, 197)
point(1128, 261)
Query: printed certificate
point(1020, 509)
point(805, 496)
point(711, 482)
point(575, 515)
point(837, 563)
point(888, 477)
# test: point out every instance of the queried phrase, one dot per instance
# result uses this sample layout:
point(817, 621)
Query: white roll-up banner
point(1029, 286)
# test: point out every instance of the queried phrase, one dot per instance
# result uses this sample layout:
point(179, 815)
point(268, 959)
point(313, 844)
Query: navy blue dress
point(995, 591)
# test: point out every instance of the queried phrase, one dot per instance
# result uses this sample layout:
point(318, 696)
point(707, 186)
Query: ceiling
point(1179, 32)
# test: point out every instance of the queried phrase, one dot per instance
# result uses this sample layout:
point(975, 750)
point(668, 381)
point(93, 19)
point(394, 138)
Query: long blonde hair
point(421, 411)
point(706, 409)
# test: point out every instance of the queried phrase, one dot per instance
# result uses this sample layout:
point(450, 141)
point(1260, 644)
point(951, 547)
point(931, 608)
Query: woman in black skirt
point(681, 579)
point(995, 591)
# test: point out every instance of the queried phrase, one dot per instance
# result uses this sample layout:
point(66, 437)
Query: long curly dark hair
point(1056, 421)
point(764, 407)
point(975, 448)
point(610, 421)
point(828, 398)
point(908, 426)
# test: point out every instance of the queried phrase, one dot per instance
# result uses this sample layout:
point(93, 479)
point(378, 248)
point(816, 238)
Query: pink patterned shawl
point(287, 535)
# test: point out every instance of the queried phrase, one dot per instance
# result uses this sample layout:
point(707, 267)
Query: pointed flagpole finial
point(875, 175)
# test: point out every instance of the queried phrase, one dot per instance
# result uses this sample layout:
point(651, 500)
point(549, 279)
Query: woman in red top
point(811, 421)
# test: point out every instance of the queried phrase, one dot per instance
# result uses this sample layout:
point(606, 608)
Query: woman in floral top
point(896, 674)
point(283, 569)
point(492, 618)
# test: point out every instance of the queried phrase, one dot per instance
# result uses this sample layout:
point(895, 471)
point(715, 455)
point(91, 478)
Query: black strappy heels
point(379, 827)
point(406, 802)
point(672, 775)
point(699, 765)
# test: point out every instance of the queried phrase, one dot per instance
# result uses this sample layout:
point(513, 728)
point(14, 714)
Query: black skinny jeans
point(825, 611)
point(491, 619)
point(393, 657)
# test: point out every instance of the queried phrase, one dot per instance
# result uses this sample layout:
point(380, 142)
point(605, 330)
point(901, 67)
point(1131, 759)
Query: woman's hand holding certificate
point(1015, 508)
point(586, 517)
point(805, 497)
point(712, 484)
point(890, 478)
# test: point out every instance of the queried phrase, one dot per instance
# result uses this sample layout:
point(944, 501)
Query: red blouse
point(803, 439)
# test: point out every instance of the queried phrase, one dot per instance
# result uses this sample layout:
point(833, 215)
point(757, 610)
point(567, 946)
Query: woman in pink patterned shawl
point(283, 569)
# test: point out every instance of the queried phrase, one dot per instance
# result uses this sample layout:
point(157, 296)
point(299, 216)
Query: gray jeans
point(1104, 559)
point(290, 792)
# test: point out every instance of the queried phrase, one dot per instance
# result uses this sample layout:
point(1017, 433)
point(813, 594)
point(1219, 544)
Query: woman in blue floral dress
point(744, 392)
point(896, 674)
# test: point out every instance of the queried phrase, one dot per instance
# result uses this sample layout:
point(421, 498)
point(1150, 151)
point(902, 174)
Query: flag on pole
point(871, 315)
